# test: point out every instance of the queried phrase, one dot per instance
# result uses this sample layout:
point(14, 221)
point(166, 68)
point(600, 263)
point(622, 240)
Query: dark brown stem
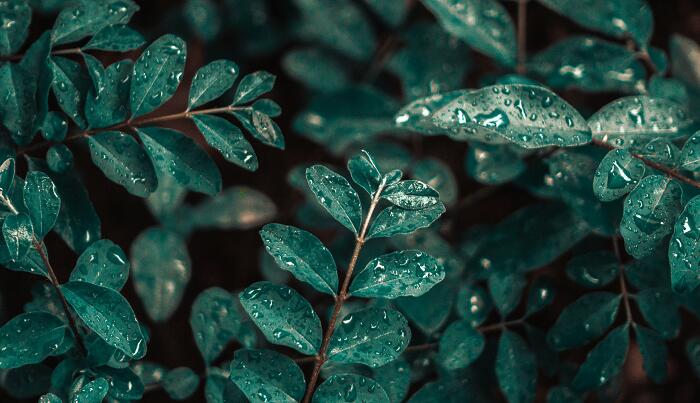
point(522, 36)
point(302, 360)
point(483, 329)
point(69, 51)
point(623, 284)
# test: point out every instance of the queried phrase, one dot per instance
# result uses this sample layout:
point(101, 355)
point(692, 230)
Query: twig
point(68, 51)
point(522, 36)
point(623, 284)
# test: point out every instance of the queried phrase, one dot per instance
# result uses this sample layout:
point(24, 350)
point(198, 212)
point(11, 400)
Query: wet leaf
point(394, 220)
point(365, 172)
point(18, 15)
point(70, 86)
point(683, 249)
point(350, 387)
point(411, 195)
point(237, 207)
point(59, 158)
point(316, 69)
point(336, 195)
point(265, 375)
point(398, 274)
point(29, 338)
point(18, 233)
point(215, 322)
point(660, 309)
point(438, 176)
point(252, 86)
point(690, 155)
point(394, 378)
point(618, 174)
point(604, 362)
point(594, 269)
point(42, 202)
point(115, 38)
point(103, 263)
point(516, 368)
point(107, 102)
point(228, 139)
point(493, 165)
point(506, 290)
point(654, 353)
point(474, 304)
point(540, 295)
point(584, 320)
point(212, 81)
point(460, 345)
point(83, 19)
point(430, 311)
point(124, 384)
point(93, 391)
point(659, 150)
point(180, 383)
point(18, 109)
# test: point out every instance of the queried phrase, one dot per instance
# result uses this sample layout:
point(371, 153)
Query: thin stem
point(623, 284)
point(482, 329)
point(68, 51)
point(302, 360)
point(522, 36)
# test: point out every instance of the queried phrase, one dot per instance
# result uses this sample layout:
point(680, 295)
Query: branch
point(623, 284)
point(522, 36)
point(59, 52)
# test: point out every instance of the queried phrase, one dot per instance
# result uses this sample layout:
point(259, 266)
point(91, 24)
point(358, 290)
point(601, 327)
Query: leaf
point(160, 268)
point(115, 38)
point(540, 295)
point(394, 220)
point(594, 269)
point(391, 12)
point(7, 176)
point(265, 130)
point(418, 115)
point(180, 157)
point(18, 109)
point(350, 387)
point(690, 155)
point(54, 127)
point(516, 369)
point(212, 81)
point(448, 389)
point(29, 338)
point(474, 304)
point(317, 69)
point(411, 195)
point(371, 336)
point(584, 320)
point(219, 388)
point(336, 195)
point(660, 309)
point(265, 375)
point(228, 139)
point(204, 18)
point(364, 172)
point(283, 315)
point(684, 52)
point(430, 311)
point(506, 290)
point(94, 391)
point(603, 362)
point(59, 158)
point(83, 19)
point(636, 120)
point(527, 115)
point(180, 383)
point(438, 176)
point(215, 322)
point(649, 213)
point(659, 150)
point(692, 349)
point(302, 254)
point(683, 249)
point(460, 345)
point(107, 103)
point(18, 233)
point(493, 165)
point(398, 274)
point(252, 86)
point(394, 378)
point(35, 63)
point(654, 353)
point(124, 384)
point(103, 263)
point(107, 313)
point(14, 32)
point(483, 24)
point(50, 398)
point(42, 201)
point(237, 207)
point(157, 74)
point(70, 86)
point(618, 173)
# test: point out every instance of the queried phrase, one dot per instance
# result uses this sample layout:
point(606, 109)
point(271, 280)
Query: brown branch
point(59, 52)
point(623, 284)
point(522, 36)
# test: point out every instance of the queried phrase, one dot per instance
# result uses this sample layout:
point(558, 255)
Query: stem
point(522, 36)
point(482, 329)
point(623, 284)
point(321, 358)
point(68, 51)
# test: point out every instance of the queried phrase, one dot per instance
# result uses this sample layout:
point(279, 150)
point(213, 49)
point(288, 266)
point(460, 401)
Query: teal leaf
point(336, 195)
point(448, 389)
point(654, 353)
point(157, 74)
point(18, 233)
point(493, 165)
point(218, 388)
point(364, 172)
point(107, 102)
point(562, 394)
point(438, 176)
point(418, 115)
point(42, 201)
point(684, 249)
point(7, 176)
point(316, 69)
point(594, 269)
point(584, 320)
point(228, 139)
point(215, 322)
point(264, 129)
point(18, 15)
point(18, 109)
point(372, 336)
point(212, 81)
point(266, 375)
point(237, 207)
point(94, 391)
point(394, 378)
point(123, 161)
point(35, 62)
point(636, 120)
point(70, 86)
point(649, 213)
point(391, 12)
point(54, 127)
point(540, 295)
point(660, 309)
point(180, 383)
point(268, 107)
point(124, 384)
point(411, 195)
point(29, 338)
point(160, 271)
point(108, 314)
point(103, 263)
point(180, 157)
point(683, 54)
point(430, 311)
point(115, 38)
point(604, 362)
point(690, 154)
point(474, 304)
point(350, 387)
point(692, 349)
point(398, 274)
point(302, 254)
point(460, 345)
point(59, 158)
point(30, 263)
point(283, 315)
point(83, 19)
point(527, 115)
point(394, 220)
point(50, 398)
point(516, 368)
point(483, 24)
point(252, 86)
point(506, 290)
point(660, 150)
point(618, 173)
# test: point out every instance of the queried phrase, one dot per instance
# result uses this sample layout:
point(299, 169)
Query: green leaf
point(124, 384)
point(398, 274)
point(371, 336)
point(527, 115)
point(283, 315)
point(474, 304)
point(18, 233)
point(493, 165)
point(316, 68)
point(204, 18)
point(411, 195)
point(562, 394)
point(654, 353)
point(262, 127)
point(649, 213)
point(604, 362)
point(516, 369)
point(364, 172)
point(160, 271)
point(266, 375)
point(659, 150)
point(29, 338)
point(684, 249)
point(7, 176)
point(395, 220)
point(123, 161)
point(690, 155)
point(180, 383)
point(108, 314)
point(103, 263)
point(660, 309)
point(636, 120)
point(391, 12)
point(18, 109)
point(448, 389)
point(594, 269)
point(692, 349)
point(59, 158)
point(218, 388)
point(584, 320)
point(228, 139)
point(350, 387)
point(430, 311)
point(14, 32)
point(215, 322)
point(106, 103)
point(212, 81)
point(684, 52)
point(115, 38)
point(418, 115)
point(94, 391)
point(394, 378)
point(438, 176)
point(336, 195)
point(506, 290)
point(42, 201)
point(50, 398)
point(54, 127)
point(238, 207)
point(540, 295)
point(460, 345)
point(483, 24)
point(618, 173)
point(83, 19)
point(302, 254)
point(180, 157)
point(35, 62)
point(70, 86)
point(252, 86)
point(157, 74)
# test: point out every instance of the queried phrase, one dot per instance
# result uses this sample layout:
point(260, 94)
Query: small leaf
point(108, 314)
point(265, 130)
point(42, 202)
point(180, 383)
point(430, 311)
point(115, 38)
point(283, 315)
point(690, 155)
point(7, 176)
point(13, 33)
point(103, 263)
point(83, 19)
point(106, 103)
point(659, 150)
point(302, 254)
point(516, 368)
point(252, 86)
point(540, 295)
point(692, 349)
point(54, 127)
point(19, 234)
point(506, 290)
point(654, 353)
point(438, 176)
point(50, 398)
point(493, 165)
point(212, 81)
point(684, 249)
point(59, 158)
point(603, 362)
point(364, 172)
point(237, 207)
point(94, 391)
point(215, 322)
point(350, 387)
point(660, 309)
point(267, 375)
point(618, 173)
point(18, 109)
point(394, 378)
point(594, 269)
point(411, 195)
point(29, 338)
point(460, 345)
point(372, 337)
point(474, 304)
point(315, 68)
point(398, 274)
point(70, 86)
point(394, 220)
point(157, 74)
point(228, 139)
point(336, 195)
point(124, 384)
point(584, 320)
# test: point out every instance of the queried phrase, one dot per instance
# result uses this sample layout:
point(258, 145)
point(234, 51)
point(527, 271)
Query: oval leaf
point(336, 195)
point(266, 375)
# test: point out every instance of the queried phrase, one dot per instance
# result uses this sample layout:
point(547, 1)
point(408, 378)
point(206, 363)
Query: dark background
point(230, 259)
